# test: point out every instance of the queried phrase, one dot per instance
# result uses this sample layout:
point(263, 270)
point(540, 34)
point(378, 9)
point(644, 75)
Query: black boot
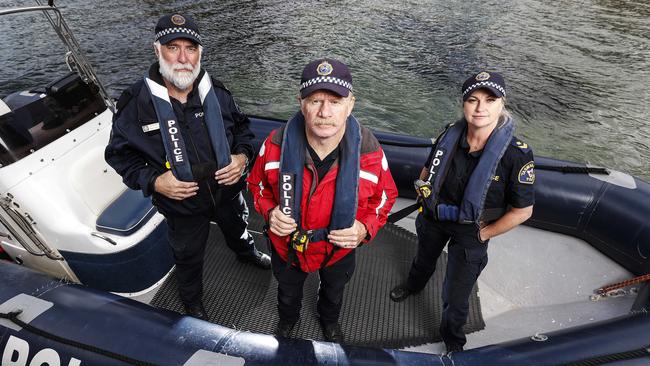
point(400, 292)
point(333, 332)
point(196, 311)
point(284, 328)
point(453, 348)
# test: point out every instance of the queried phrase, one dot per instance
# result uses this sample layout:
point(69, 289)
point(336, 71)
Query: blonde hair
point(505, 113)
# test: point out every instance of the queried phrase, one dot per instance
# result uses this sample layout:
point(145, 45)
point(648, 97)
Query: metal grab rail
point(83, 67)
point(25, 233)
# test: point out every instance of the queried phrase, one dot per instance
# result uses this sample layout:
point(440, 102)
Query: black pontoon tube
point(141, 334)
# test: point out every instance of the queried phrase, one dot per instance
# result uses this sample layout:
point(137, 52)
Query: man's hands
point(231, 174)
point(281, 224)
point(348, 238)
point(167, 185)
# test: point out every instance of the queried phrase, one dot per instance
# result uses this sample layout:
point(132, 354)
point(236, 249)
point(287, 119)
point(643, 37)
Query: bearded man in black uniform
point(179, 136)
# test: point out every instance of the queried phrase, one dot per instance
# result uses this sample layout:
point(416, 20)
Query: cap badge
point(324, 68)
point(178, 19)
point(482, 76)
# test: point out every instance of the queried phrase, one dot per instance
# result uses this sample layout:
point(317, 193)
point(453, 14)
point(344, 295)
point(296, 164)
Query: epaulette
point(520, 145)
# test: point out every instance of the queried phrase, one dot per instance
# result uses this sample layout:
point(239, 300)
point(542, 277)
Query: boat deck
point(537, 281)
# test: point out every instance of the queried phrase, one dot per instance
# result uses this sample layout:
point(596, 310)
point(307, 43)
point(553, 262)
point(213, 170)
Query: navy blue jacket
point(139, 157)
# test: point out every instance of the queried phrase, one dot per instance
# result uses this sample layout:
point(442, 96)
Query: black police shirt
point(323, 166)
point(511, 185)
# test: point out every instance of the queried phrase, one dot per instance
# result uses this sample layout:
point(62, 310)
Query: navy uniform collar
point(465, 145)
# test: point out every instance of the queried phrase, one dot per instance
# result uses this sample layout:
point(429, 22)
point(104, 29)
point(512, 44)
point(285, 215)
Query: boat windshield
point(40, 98)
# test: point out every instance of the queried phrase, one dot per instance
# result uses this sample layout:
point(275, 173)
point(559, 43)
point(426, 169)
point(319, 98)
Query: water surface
point(577, 71)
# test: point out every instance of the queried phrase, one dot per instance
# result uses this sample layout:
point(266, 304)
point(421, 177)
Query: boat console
point(35, 118)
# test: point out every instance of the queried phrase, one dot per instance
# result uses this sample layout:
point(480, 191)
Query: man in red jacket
point(323, 185)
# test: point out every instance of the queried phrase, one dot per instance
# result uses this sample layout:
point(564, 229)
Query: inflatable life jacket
point(471, 207)
point(292, 163)
point(170, 131)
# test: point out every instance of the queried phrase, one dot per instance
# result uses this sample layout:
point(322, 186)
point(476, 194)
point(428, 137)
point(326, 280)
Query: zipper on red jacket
point(312, 189)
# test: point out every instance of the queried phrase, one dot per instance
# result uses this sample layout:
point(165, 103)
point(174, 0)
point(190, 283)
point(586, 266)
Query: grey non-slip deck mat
point(243, 297)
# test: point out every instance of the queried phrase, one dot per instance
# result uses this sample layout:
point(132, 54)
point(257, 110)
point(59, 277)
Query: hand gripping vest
point(471, 207)
point(292, 164)
point(170, 130)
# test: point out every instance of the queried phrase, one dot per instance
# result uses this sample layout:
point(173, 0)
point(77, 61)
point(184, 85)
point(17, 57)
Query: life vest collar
point(170, 130)
point(471, 207)
point(292, 165)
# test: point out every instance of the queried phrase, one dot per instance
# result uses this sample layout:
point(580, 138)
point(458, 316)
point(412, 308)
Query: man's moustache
point(183, 68)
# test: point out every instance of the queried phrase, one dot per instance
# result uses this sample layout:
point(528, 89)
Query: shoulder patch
point(527, 173)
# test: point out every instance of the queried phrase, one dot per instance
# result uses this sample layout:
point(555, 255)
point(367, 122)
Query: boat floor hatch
point(243, 297)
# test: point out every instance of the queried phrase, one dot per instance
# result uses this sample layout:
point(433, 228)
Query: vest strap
point(170, 130)
point(292, 165)
point(471, 207)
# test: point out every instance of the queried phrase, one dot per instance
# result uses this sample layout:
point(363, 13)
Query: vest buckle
point(423, 188)
point(300, 240)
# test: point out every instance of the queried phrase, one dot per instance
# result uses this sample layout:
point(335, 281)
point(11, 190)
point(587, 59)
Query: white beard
point(180, 79)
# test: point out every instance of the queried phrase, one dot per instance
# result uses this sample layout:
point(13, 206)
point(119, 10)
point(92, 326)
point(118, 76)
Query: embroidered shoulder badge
point(527, 173)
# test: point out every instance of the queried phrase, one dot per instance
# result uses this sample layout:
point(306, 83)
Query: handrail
point(80, 62)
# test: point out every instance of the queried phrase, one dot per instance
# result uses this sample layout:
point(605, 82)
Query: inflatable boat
point(91, 257)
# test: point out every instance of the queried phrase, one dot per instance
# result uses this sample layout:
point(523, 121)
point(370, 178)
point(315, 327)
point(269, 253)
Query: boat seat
point(126, 214)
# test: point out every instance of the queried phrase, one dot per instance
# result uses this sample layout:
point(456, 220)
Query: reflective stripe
point(384, 198)
point(261, 189)
point(158, 90)
point(204, 87)
point(263, 148)
point(368, 176)
point(272, 165)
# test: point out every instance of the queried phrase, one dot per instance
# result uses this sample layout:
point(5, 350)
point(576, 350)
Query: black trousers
point(467, 257)
point(188, 236)
point(330, 293)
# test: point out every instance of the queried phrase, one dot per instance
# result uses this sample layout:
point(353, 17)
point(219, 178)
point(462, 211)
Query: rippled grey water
point(577, 71)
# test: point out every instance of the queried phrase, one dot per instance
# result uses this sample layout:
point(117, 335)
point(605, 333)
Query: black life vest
point(292, 164)
point(471, 207)
point(170, 130)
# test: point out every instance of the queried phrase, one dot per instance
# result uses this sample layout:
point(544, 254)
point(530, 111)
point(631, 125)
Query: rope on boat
point(615, 286)
point(574, 169)
point(13, 317)
point(605, 359)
